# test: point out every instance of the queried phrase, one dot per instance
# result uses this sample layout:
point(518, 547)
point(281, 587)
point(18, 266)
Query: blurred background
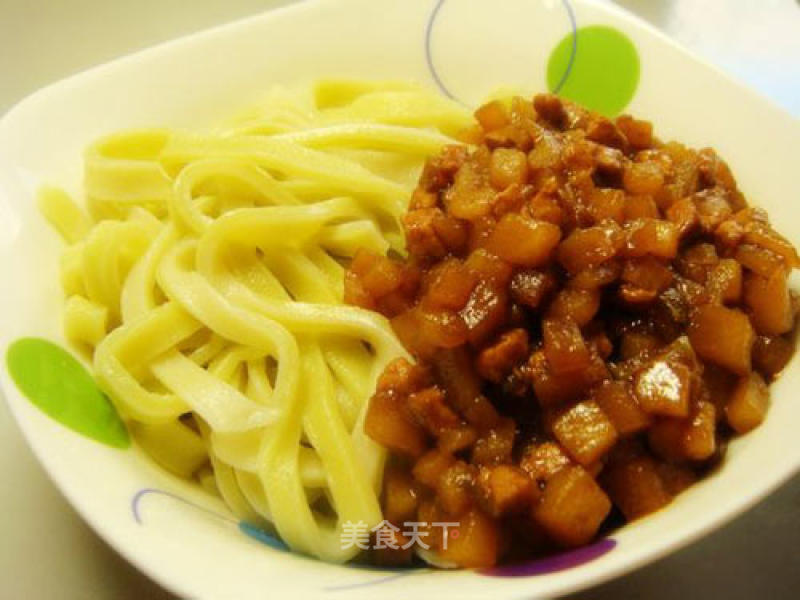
point(47, 550)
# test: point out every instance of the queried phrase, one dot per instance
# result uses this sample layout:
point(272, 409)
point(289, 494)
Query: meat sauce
point(592, 313)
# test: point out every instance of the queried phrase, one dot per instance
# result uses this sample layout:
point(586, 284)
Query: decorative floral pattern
point(429, 30)
point(596, 66)
point(61, 387)
point(603, 76)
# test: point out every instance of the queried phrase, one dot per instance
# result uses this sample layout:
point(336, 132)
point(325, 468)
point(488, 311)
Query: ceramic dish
point(599, 56)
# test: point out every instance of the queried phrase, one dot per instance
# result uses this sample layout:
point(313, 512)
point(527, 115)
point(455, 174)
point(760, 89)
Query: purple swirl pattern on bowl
point(429, 27)
point(539, 566)
point(554, 563)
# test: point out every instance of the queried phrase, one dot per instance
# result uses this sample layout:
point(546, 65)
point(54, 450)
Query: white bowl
point(189, 542)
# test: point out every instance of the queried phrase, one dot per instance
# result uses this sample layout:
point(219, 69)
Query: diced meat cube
point(605, 132)
point(617, 401)
point(388, 424)
point(430, 467)
point(636, 297)
point(771, 354)
point(580, 305)
point(676, 477)
point(693, 438)
point(715, 173)
point(663, 388)
point(430, 512)
point(531, 287)
point(524, 242)
point(684, 214)
point(546, 153)
point(382, 276)
point(641, 207)
point(463, 387)
point(497, 360)
point(449, 286)
point(638, 133)
point(454, 488)
point(506, 489)
point(699, 442)
point(636, 343)
point(609, 163)
point(551, 389)
point(485, 266)
point(542, 461)
point(676, 303)
point(423, 331)
point(572, 507)
point(510, 136)
point(355, 293)
point(399, 495)
point(430, 234)
point(712, 208)
point(485, 312)
point(697, 261)
point(680, 350)
point(589, 247)
point(725, 281)
point(441, 328)
point(758, 260)
point(647, 273)
point(477, 543)
point(685, 176)
point(409, 330)
point(512, 198)
point(402, 377)
point(423, 198)
point(379, 283)
point(729, 234)
point(748, 404)
point(764, 236)
point(438, 171)
point(723, 336)
point(508, 166)
point(564, 347)
point(456, 439)
point(492, 115)
point(495, 446)
point(471, 195)
point(607, 203)
point(597, 277)
point(585, 431)
point(769, 303)
point(716, 387)
point(651, 236)
point(550, 108)
point(430, 410)
point(643, 178)
point(635, 486)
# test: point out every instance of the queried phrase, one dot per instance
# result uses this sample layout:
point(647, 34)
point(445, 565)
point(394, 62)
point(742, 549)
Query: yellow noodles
point(208, 287)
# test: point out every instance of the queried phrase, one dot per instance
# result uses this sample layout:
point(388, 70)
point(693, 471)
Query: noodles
point(207, 286)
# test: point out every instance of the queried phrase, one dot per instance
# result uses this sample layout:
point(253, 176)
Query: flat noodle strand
point(208, 283)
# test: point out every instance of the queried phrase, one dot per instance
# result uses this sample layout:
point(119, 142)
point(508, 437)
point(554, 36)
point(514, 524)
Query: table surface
point(47, 550)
